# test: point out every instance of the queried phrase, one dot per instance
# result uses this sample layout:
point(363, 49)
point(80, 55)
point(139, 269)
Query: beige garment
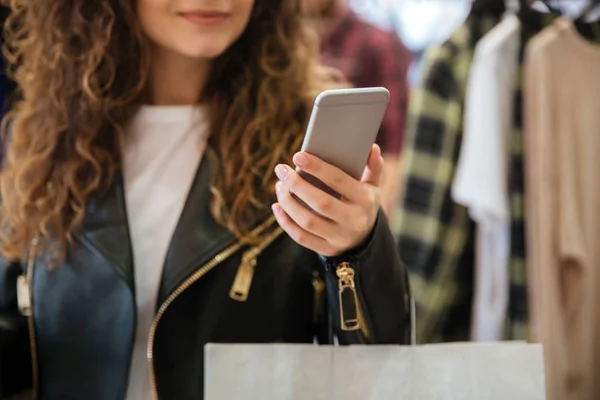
point(562, 120)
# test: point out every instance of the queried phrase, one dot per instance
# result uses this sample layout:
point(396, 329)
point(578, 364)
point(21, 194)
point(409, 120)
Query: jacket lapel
point(197, 237)
point(196, 240)
point(106, 230)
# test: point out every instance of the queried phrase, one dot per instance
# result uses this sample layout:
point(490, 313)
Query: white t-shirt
point(481, 182)
point(162, 152)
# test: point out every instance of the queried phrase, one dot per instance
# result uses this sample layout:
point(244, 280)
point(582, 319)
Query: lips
point(202, 17)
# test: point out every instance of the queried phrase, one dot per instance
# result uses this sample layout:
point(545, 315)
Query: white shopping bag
point(499, 371)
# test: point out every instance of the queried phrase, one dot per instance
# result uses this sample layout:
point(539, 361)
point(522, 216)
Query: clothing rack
point(436, 234)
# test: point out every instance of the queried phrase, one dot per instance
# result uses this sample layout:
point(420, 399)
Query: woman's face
point(202, 29)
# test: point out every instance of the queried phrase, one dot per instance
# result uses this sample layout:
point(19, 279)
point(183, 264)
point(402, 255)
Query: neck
point(176, 79)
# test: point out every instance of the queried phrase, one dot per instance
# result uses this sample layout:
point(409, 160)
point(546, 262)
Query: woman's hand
point(341, 225)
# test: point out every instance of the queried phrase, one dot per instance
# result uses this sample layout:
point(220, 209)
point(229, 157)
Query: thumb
point(374, 169)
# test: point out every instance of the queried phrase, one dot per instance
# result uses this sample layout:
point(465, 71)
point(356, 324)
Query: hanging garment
point(434, 232)
point(562, 93)
point(481, 182)
point(517, 318)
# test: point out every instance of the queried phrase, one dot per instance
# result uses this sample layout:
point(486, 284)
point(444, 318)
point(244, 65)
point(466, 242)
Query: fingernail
point(276, 209)
point(278, 187)
point(281, 171)
point(300, 160)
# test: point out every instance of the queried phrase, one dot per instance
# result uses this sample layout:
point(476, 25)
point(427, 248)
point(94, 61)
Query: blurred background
point(491, 143)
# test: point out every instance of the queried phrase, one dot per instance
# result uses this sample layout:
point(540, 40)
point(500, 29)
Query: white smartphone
point(343, 127)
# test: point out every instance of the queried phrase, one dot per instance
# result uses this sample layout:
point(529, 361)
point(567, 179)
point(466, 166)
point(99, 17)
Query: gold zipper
point(214, 262)
point(25, 303)
point(318, 300)
point(351, 320)
point(245, 273)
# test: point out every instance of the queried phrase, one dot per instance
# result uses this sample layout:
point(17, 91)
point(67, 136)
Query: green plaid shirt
point(435, 234)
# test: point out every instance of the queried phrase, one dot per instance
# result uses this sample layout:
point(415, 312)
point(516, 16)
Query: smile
point(207, 18)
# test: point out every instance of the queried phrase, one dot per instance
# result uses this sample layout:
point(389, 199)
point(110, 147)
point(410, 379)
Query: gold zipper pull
point(349, 307)
point(243, 279)
point(318, 301)
point(245, 273)
point(23, 296)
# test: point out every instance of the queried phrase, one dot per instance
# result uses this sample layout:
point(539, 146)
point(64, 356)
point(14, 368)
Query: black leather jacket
point(79, 319)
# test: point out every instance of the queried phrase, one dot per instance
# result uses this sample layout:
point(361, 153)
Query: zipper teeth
point(185, 285)
point(361, 315)
point(248, 266)
point(318, 288)
point(30, 320)
point(270, 239)
point(214, 262)
point(361, 318)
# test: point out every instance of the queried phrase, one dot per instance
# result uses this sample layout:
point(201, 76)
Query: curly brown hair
point(81, 67)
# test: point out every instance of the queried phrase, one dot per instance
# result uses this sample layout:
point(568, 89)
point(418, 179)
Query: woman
point(140, 210)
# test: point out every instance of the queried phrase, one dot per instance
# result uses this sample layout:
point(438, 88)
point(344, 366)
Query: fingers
point(300, 235)
point(373, 173)
point(336, 226)
point(321, 202)
point(305, 218)
point(348, 187)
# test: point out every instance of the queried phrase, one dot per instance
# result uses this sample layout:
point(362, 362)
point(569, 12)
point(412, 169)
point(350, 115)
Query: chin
point(203, 51)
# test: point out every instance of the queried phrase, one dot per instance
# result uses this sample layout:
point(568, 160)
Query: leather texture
point(84, 311)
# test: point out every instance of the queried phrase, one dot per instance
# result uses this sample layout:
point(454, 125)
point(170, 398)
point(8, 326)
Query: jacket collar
point(105, 230)
point(197, 237)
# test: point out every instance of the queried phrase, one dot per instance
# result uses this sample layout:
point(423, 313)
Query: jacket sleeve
point(15, 364)
point(375, 306)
